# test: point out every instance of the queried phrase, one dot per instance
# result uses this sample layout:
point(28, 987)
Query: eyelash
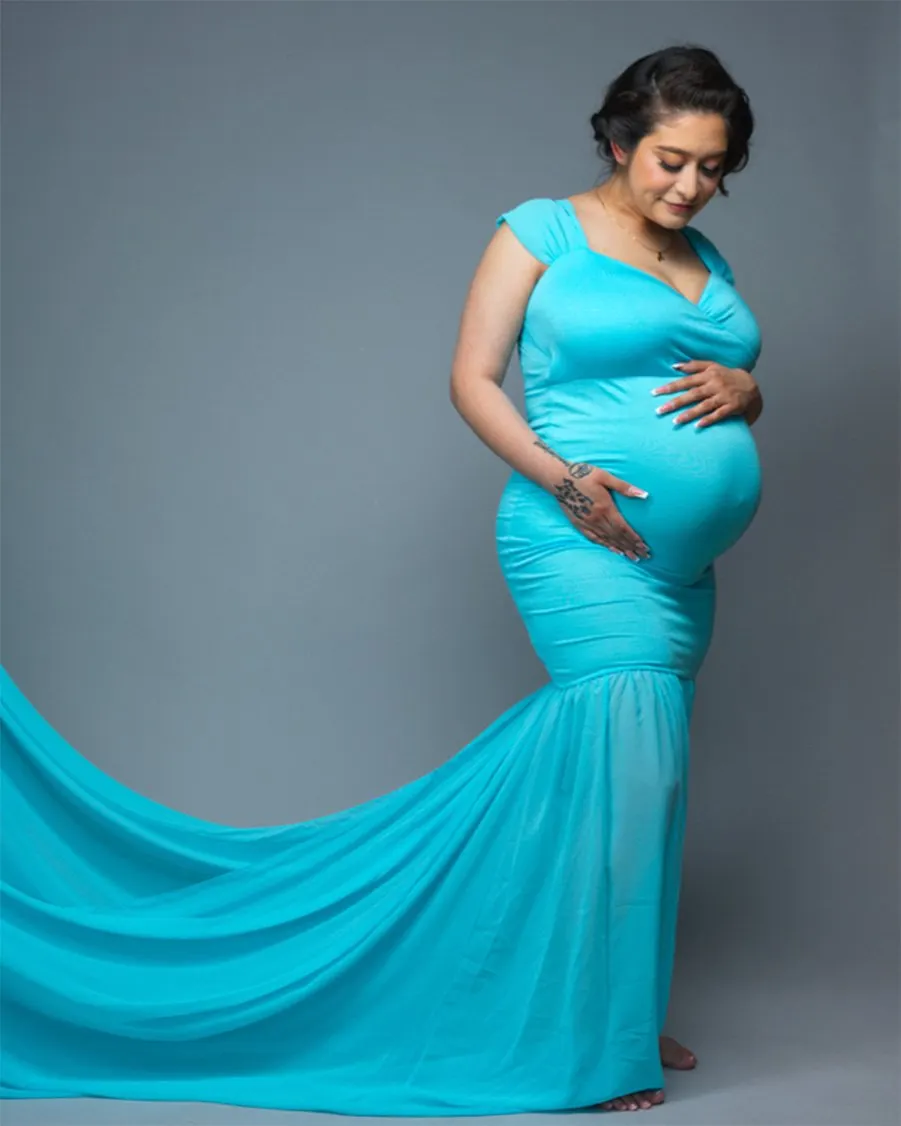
point(712, 173)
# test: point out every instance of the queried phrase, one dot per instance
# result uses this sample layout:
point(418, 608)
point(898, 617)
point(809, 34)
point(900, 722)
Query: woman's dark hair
point(675, 80)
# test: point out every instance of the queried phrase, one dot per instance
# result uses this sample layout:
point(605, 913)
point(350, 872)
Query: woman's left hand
point(718, 392)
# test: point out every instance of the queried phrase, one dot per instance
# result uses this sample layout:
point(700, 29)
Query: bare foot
point(639, 1100)
point(672, 1054)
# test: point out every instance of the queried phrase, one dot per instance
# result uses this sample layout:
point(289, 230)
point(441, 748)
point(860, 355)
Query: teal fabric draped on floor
point(496, 936)
point(461, 945)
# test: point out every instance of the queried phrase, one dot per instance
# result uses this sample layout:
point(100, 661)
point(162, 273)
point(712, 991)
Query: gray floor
point(774, 1057)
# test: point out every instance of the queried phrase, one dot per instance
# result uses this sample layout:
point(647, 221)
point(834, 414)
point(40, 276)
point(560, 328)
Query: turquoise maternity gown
point(495, 936)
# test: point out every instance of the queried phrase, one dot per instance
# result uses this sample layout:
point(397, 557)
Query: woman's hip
point(587, 610)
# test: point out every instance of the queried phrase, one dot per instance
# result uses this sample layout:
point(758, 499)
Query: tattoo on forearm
point(576, 468)
point(553, 453)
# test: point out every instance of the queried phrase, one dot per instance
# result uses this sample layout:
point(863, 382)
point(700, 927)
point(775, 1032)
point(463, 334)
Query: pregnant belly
point(704, 485)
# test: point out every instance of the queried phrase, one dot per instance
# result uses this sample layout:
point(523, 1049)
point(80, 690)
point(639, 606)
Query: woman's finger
point(614, 543)
point(715, 416)
point(617, 530)
point(704, 407)
point(684, 400)
point(680, 384)
point(599, 539)
point(621, 531)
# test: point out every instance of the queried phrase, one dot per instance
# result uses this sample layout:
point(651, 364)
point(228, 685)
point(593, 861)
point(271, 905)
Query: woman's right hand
point(584, 495)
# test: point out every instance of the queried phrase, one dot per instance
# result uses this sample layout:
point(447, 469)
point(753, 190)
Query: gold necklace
point(659, 253)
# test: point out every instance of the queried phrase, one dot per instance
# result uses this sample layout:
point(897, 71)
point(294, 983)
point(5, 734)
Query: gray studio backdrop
point(248, 545)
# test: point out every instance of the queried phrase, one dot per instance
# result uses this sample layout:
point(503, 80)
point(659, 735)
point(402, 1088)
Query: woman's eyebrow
point(684, 152)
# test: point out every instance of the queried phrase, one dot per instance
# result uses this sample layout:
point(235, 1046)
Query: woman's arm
point(491, 321)
point(489, 326)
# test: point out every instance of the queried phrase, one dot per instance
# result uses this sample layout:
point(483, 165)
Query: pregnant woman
point(498, 935)
point(628, 482)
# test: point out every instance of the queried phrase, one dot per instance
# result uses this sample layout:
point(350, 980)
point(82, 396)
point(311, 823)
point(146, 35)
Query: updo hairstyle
point(674, 80)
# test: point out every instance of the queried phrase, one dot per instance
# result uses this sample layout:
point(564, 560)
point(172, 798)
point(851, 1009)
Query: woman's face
point(679, 162)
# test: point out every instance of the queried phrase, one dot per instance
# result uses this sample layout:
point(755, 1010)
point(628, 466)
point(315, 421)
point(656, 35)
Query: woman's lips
point(679, 208)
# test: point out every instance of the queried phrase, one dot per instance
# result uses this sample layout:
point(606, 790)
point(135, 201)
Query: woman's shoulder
point(540, 224)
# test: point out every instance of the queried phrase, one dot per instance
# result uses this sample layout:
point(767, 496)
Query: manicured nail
point(660, 410)
point(679, 364)
point(637, 493)
point(656, 391)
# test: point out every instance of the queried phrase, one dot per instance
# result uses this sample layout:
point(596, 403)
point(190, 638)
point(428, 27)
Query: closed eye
point(712, 172)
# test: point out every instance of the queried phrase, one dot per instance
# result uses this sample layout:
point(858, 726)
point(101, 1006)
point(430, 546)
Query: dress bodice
point(590, 315)
point(598, 335)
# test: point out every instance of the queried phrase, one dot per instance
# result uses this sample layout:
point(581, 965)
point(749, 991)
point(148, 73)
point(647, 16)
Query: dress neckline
point(689, 234)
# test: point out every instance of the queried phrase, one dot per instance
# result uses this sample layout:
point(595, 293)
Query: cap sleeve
point(713, 259)
point(536, 223)
point(724, 268)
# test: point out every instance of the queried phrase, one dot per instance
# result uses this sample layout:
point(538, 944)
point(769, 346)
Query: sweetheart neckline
point(689, 234)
